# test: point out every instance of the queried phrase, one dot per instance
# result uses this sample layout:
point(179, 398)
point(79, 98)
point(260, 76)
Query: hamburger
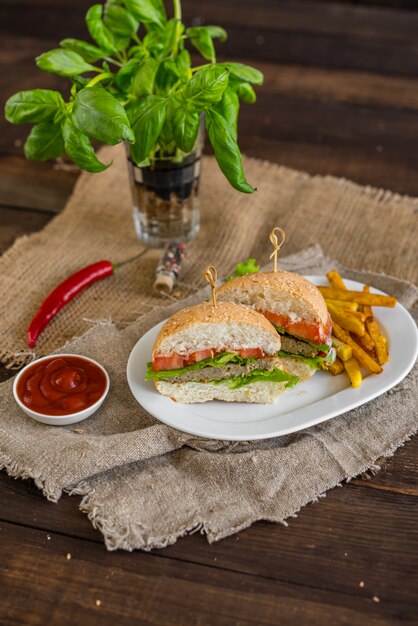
point(297, 310)
point(223, 352)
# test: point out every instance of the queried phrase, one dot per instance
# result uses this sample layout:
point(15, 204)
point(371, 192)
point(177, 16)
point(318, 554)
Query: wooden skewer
point(275, 243)
point(211, 275)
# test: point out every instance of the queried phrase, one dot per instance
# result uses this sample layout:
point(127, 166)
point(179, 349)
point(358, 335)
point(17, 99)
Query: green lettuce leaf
point(316, 362)
point(323, 347)
point(281, 331)
point(241, 269)
point(275, 376)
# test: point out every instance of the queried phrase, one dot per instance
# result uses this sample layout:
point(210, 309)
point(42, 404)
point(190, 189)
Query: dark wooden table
point(341, 97)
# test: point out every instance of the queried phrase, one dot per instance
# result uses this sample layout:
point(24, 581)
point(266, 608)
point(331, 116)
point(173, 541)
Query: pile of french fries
point(355, 333)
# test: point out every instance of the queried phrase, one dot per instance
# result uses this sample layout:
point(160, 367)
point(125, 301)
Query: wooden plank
point(326, 34)
point(348, 87)
point(34, 185)
point(15, 223)
point(349, 537)
point(333, 18)
point(331, 123)
point(148, 589)
point(354, 534)
point(370, 165)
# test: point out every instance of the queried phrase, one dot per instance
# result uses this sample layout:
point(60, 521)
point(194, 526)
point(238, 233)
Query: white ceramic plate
point(309, 403)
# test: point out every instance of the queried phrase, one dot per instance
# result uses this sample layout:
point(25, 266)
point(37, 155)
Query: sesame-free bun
point(279, 292)
point(227, 326)
point(298, 368)
point(187, 393)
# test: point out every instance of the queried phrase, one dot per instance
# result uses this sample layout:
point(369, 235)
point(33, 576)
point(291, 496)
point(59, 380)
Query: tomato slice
point(200, 355)
point(310, 331)
point(249, 353)
point(173, 362)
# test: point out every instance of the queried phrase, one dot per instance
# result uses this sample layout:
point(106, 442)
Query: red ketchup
point(61, 385)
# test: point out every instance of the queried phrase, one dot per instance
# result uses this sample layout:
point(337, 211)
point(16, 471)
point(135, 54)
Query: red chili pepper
point(68, 290)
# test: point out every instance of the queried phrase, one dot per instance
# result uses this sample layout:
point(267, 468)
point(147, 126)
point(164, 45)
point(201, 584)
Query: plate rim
point(356, 401)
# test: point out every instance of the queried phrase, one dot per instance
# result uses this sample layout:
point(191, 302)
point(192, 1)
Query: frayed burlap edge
point(136, 536)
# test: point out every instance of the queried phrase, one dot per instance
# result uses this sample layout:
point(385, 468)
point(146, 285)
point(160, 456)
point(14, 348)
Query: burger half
point(297, 310)
point(223, 352)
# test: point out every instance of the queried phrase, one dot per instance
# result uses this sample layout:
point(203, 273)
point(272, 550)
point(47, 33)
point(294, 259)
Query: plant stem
point(177, 9)
point(110, 60)
point(200, 67)
point(133, 258)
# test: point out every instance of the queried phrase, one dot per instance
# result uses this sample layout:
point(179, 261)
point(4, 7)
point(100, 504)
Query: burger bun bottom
point(191, 392)
point(298, 368)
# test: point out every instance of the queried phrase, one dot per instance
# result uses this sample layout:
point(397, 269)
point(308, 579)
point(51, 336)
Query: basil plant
point(136, 83)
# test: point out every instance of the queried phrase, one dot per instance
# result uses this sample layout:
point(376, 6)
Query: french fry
point(336, 368)
point(350, 306)
point(372, 299)
point(347, 320)
point(358, 314)
point(365, 341)
point(335, 279)
point(344, 351)
point(353, 370)
point(379, 340)
point(375, 334)
point(363, 358)
point(368, 311)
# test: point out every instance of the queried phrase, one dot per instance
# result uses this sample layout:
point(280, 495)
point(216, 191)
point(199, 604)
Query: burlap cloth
point(144, 484)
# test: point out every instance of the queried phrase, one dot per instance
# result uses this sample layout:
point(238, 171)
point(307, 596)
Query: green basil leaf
point(147, 118)
point(125, 75)
point(44, 142)
point(147, 11)
point(183, 63)
point(226, 150)
point(172, 33)
point(246, 93)
point(86, 50)
point(100, 116)
point(79, 149)
point(166, 138)
point(185, 127)
point(217, 32)
point(244, 72)
point(167, 76)
point(138, 52)
point(63, 63)
point(153, 41)
point(228, 107)
point(32, 107)
point(143, 81)
point(206, 87)
point(101, 34)
point(120, 22)
point(159, 6)
point(202, 41)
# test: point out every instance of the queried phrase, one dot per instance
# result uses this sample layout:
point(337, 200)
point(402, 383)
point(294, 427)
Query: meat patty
point(227, 371)
point(297, 346)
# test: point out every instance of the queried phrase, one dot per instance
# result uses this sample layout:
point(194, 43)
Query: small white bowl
point(61, 420)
